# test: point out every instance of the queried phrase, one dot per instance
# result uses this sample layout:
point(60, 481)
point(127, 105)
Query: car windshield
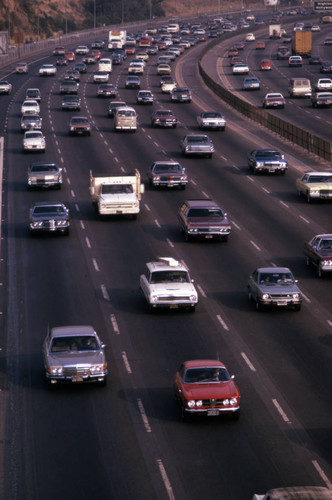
point(75, 343)
point(162, 169)
point(211, 115)
point(276, 278)
point(51, 209)
point(33, 135)
point(116, 188)
point(198, 138)
point(205, 212)
point(80, 120)
point(170, 277)
point(325, 244)
point(270, 154)
point(320, 178)
point(209, 374)
point(164, 113)
point(43, 168)
point(125, 113)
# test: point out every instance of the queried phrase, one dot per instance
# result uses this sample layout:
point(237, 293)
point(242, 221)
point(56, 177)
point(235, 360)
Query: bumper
point(212, 412)
point(101, 378)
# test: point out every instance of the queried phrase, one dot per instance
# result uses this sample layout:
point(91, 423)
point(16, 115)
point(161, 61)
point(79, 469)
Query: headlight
point(193, 297)
point(296, 296)
point(259, 164)
point(55, 370)
point(153, 298)
point(97, 368)
point(233, 401)
point(265, 296)
point(37, 224)
point(191, 403)
point(314, 191)
point(61, 223)
point(225, 402)
point(199, 403)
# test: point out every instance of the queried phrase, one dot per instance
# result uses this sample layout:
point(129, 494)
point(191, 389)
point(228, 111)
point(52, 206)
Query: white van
point(105, 64)
point(125, 118)
point(299, 87)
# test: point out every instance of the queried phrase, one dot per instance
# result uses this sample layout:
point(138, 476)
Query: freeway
point(126, 440)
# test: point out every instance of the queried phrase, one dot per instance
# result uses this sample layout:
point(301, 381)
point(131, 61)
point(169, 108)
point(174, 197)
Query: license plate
point(208, 236)
point(272, 169)
point(173, 306)
point(77, 379)
point(212, 413)
point(281, 303)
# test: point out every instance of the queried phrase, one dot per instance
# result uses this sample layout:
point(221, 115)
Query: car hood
point(319, 185)
point(75, 358)
point(279, 288)
point(175, 289)
point(118, 197)
point(212, 390)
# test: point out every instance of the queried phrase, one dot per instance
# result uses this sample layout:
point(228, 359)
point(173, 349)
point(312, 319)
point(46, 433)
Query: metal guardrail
point(312, 143)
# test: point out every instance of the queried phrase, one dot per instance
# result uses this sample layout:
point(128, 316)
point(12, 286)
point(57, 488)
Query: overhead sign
point(323, 5)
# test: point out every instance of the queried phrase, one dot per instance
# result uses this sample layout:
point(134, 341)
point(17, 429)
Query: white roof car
point(101, 77)
point(240, 68)
point(324, 84)
point(168, 85)
point(166, 283)
point(47, 70)
point(82, 50)
point(34, 140)
point(5, 87)
point(250, 37)
point(30, 107)
point(212, 120)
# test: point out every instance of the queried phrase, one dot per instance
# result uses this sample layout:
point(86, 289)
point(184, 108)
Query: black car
point(315, 60)
point(326, 67)
point(49, 217)
point(71, 102)
point(33, 94)
point(107, 90)
point(80, 67)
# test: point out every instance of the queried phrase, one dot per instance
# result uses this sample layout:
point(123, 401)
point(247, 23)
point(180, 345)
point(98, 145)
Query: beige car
point(21, 68)
point(125, 119)
point(299, 87)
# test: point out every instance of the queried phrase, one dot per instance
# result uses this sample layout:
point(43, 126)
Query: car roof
point(201, 202)
point(166, 264)
point(327, 235)
point(300, 493)
point(328, 174)
point(66, 331)
point(198, 363)
point(273, 270)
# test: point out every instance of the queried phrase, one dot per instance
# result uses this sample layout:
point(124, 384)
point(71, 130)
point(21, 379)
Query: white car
point(5, 87)
point(166, 283)
point(211, 120)
point(101, 77)
point(250, 37)
point(240, 69)
point(167, 86)
point(324, 84)
point(34, 140)
point(82, 50)
point(30, 107)
point(47, 70)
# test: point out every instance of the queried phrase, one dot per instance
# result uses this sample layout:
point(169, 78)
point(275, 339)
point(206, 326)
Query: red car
point(265, 65)
point(204, 387)
point(260, 45)
point(233, 52)
point(69, 55)
point(96, 53)
point(318, 252)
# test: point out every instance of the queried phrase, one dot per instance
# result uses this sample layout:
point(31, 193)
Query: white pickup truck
point(118, 194)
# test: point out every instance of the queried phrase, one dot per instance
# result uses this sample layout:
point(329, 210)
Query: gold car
point(315, 185)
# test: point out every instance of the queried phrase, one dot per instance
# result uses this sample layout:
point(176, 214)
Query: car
point(296, 493)
point(30, 107)
point(318, 252)
point(113, 105)
point(181, 94)
point(72, 102)
point(135, 69)
point(283, 52)
point(34, 140)
point(250, 37)
point(233, 51)
point(82, 50)
point(98, 44)
point(274, 286)
point(31, 122)
point(5, 87)
point(70, 55)
point(61, 61)
point(240, 69)
point(125, 119)
point(144, 56)
point(167, 86)
point(203, 219)
point(315, 59)
point(33, 94)
point(164, 69)
point(166, 283)
point(44, 175)
point(265, 65)
point(321, 99)
point(101, 77)
point(315, 186)
point(164, 118)
point(274, 100)
point(197, 145)
point(72, 74)
point(144, 97)
point(251, 83)
point(49, 217)
point(153, 50)
point(267, 160)
point(315, 27)
point(133, 82)
point(203, 387)
point(68, 87)
point(328, 41)
point(213, 120)
point(117, 58)
point(323, 84)
point(80, 67)
point(59, 51)
point(79, 125)
point(47, 70)
point(96, 53)
point(21, 68)
point(107, 90)
point(326, 67)
point(260, 45)
point(90, 59)
point(74, 354)
point(236, 60)
point(167, 174)
point(295, 61)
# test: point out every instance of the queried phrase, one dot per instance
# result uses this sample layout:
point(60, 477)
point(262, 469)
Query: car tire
point(319, 272)
point(297, 307)
point(307, 261)
point(258, 305)
point(185, 416)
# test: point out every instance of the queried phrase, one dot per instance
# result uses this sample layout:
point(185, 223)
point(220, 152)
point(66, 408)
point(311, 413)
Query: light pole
point(94, 14)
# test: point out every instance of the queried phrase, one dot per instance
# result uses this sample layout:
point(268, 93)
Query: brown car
point(79, 125)
point(203, 218)
point(318, 251)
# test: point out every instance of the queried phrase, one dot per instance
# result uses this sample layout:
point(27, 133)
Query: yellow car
point(315, 185)
point(143, 56)
point(164, 69)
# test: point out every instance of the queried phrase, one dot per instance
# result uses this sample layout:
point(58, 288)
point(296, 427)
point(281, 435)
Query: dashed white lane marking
point(126, 363)
point(281, 411)
point(114, 324)
point(255, 245)
point(165, 480)
point(222, 322)
point(322, 474)
point(246, 359)
point(104, 292)
point(143, 415)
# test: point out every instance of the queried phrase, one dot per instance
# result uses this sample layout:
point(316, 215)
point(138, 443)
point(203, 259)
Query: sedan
point(321, 100)
point(164, 118)
point(267, 160)
point(79, 125)
point(71, 102)
point(70, 55)
point(164, 69)
point(80, 67)
point(181, 94)
point(21, 68)
point(274, 100)
point(47, 70)
point(213, 120)
point(260, 45)
point(328, 40)
point(31, 122)
point(197, 145)
point(74, 354)
point(167, 174)
point(203, 219)
point(315, 186)
point(203, 387)
point(326, 67)
point(240, 69)
point(318, 252)
point(61, 61)
point(30, 107)
point(72, 74)
point(101, 77)
point(144, 97)
point(33, 94)
point(133, 82)
point(251, 83)
point(5, 87)
point(69, 87)
point(167, 86)
point(44, 175)
point(295, 61)
point(107, 90)
point(82, 50)
point(265, 65)
point(315, 59)
point(250, 37)
point(274, 286)
point(34, 140)
point(324, 84)
point(49, 217)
